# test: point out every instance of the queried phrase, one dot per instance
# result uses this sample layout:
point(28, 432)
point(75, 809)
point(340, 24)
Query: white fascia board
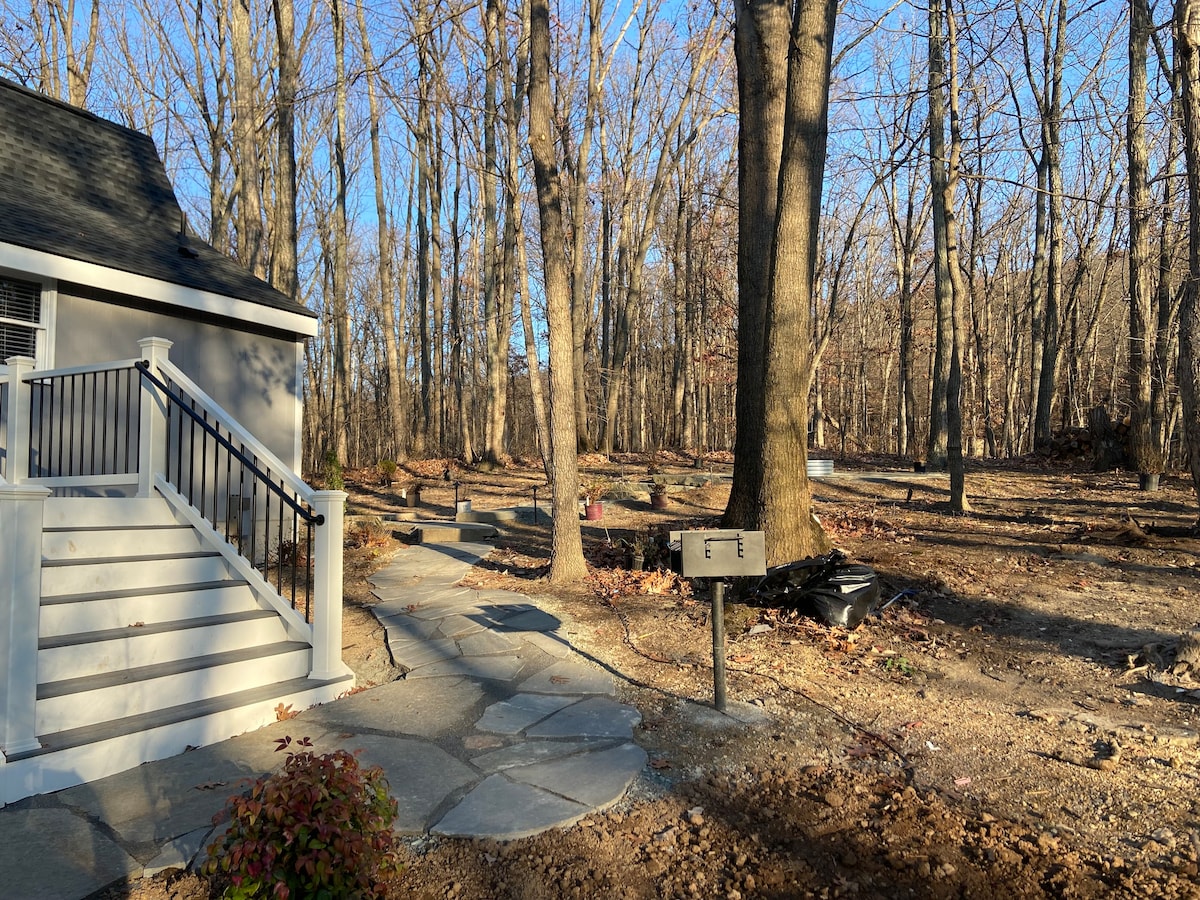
point(48, 265)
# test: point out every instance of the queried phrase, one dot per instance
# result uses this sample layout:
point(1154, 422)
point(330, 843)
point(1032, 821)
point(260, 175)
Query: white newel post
point(18, 419)
point(22, 508)
point(22, 511)
point(327, 587)
point(152, 443)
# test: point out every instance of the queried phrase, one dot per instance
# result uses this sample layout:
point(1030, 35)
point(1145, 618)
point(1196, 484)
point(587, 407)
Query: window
point(21, 325)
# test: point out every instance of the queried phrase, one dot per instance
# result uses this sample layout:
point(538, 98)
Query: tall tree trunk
point(497, 311)
point(1187, 52)
point(284, 258)
point(936, 444)
point(1143, 447)
point(251, 251)
point(784, 498)
point(341, 307)
point(393, 362)
point(566, 546)
point(761, 31)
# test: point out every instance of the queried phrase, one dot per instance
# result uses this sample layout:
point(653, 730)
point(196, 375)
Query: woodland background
point(412, 229)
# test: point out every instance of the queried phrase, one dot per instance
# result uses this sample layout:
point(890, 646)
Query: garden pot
point(462, 506)
point(593, 511)
point(658, 501)
point(412, 497)
point(1147, 481)
point(636, 562)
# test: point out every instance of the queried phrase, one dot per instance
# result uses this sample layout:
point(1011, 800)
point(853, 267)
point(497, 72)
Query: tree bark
point(566, 546)
point(760, 45)
point(1187, 52)
point(785, 497)
point(1143, 448)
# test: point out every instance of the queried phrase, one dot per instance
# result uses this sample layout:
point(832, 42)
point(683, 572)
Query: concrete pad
point(179, 853)
point(52, 854)
point(492, 668)
point(598, 779)
point(527, 753)
point(531, 620)
point(551, 643)
point(488, 643)
point(737, 715)
point(414, 654)
point(420, 776)
point(410, 707)
point(570, 677)
point(514, 715)
point(595, 717)
point(505, 811)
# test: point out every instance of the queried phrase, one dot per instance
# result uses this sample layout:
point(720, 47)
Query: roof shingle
point(79, 186)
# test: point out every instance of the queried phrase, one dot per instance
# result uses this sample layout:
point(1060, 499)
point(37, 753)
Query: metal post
point(718, 628)
point(535, 506)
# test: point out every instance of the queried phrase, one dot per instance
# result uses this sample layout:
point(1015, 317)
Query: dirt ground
point(1023, 722)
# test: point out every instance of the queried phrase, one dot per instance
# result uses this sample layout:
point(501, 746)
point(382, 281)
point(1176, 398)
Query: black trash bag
point(825, 587)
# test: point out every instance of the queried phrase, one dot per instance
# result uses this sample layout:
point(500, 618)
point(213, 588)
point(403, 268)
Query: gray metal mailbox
point(721, 552)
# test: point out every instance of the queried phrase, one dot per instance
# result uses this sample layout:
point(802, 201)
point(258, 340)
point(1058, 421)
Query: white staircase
point(148, 643)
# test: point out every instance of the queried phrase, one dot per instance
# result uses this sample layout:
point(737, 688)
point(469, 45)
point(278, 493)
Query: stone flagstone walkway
point(538, 740)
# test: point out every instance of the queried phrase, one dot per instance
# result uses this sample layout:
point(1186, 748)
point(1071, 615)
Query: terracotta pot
point(593, 511)
point(658, 501)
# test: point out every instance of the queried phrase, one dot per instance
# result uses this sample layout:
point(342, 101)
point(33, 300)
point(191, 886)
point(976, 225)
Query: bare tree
point(566, 549)
point(1187, 52)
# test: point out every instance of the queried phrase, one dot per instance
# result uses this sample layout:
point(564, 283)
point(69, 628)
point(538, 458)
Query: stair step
point(76, 613)
point(83, 543)
point(91, 653)
point(92, 575)
point(76, 702)
point(131, 725)
point(88, 512)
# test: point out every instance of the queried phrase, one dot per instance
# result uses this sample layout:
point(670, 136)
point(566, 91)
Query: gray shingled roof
point(78, 186)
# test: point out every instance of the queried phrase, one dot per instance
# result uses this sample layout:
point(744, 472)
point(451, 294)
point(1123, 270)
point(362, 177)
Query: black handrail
point(260, 476)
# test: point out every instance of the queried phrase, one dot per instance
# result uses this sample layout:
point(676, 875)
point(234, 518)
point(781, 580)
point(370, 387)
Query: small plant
point(658, 488)
point(321, 827)
point(594, 489)
point(334, 475)
point(387, 471)
point(644, 544)
point(900, 665)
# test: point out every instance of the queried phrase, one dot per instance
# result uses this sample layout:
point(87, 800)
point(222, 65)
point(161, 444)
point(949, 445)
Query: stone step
point(492, 516)
point(452, 532)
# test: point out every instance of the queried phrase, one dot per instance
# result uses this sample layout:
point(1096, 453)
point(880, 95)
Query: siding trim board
point(125, 288)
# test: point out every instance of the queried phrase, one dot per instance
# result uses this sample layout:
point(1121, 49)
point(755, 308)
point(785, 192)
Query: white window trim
point(44, 329)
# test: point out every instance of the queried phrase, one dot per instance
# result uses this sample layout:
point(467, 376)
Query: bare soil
point(1022, 723)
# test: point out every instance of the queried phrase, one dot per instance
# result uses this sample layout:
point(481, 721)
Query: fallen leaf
point(659, 763)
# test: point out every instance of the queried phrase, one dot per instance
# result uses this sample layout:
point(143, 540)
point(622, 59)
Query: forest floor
point(1024, 723)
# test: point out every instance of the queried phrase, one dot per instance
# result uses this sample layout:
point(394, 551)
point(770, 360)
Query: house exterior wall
point(254, 377)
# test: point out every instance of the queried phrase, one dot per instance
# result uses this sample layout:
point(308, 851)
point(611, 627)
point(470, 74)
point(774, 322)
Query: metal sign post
point(716, 555)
